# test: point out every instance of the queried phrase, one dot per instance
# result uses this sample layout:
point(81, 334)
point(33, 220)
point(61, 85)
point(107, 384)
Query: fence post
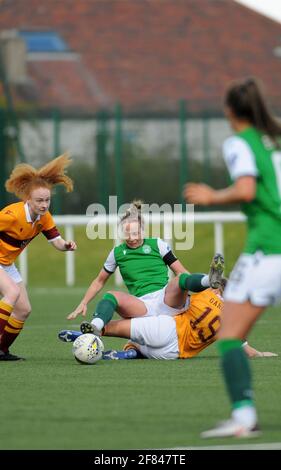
point(102, 163)
point(118, 155)
point(11, 115)
point(183, 150)
point(69, 258)
point(206, 149)
point(218, 233)
point(57, 198)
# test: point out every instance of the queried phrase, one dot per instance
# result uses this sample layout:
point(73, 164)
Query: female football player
point(253, 157)
point(19, 224)
point(182, 336)
point(143, 264)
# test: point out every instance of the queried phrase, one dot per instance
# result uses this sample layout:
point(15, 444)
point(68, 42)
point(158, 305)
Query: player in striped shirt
point(182, 336)
point(20, 223)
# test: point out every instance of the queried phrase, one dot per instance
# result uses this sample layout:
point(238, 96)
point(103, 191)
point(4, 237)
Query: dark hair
point(246, 100)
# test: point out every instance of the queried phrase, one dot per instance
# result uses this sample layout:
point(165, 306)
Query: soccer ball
point(87, 349)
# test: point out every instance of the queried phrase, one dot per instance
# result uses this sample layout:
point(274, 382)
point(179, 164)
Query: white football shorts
point(156, 336)
point(12, 272)
point(155, 304)
point(256, 278)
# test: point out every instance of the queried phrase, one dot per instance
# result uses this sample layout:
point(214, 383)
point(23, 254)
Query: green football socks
point(106, 308)
point(192, 282)
point(236, 372)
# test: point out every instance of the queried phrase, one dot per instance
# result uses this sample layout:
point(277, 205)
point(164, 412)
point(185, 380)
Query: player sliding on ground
point(164, 337)
point(19, 224)
point(143, 264)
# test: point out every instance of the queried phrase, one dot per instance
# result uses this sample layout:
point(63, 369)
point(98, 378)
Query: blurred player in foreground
point(253, 157)
point(19, 224)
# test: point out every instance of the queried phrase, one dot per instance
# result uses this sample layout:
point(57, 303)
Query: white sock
point(205, 281)
point(245, 415)
point(98, 323)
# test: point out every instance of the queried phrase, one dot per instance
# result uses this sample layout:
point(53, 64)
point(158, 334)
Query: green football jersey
point(143, 269)
point(250, 153)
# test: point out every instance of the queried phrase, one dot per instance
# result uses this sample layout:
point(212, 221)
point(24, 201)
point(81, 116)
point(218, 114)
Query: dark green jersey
point(143, 269)
point(251, 153)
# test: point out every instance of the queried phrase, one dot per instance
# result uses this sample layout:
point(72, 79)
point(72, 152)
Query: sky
point(271, 8)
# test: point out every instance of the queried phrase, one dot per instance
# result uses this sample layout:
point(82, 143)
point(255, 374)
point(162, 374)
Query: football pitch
point(50, 401)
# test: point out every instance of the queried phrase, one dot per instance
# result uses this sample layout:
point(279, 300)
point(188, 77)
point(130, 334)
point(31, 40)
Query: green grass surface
point(52, 402)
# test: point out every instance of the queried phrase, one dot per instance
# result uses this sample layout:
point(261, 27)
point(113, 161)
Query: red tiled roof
point(147, 54)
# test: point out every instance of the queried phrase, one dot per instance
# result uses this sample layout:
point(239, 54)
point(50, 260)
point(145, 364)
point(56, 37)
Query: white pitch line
point(261, 446)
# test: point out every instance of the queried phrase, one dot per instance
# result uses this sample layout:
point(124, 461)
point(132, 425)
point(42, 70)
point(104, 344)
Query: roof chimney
point(13, 52)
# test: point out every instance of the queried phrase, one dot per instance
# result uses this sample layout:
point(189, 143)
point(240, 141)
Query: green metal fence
point(149, 156)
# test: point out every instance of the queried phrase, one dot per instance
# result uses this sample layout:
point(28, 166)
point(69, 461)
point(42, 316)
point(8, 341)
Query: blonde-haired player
point(143, 264)
point(19, 224)
point(182, 336)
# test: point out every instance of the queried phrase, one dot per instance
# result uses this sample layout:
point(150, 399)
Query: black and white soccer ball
point(88, 349)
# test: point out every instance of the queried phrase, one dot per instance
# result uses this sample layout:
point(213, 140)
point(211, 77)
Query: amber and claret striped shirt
point(198, 325)
point(17, 230)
